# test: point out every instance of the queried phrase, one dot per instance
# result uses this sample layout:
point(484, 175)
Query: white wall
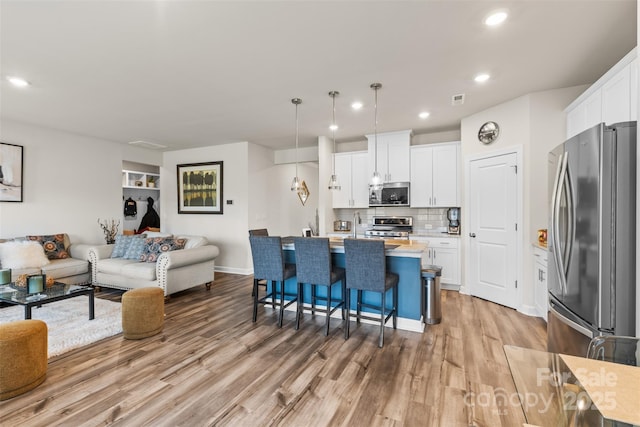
point(536, 122)
point(229, 230)
point(69, 182)
point(288, 213)
point(261, 195)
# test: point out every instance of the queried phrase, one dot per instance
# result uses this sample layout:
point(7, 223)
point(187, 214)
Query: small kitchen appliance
point(390, 227)
point(391, 194)
point(341, 225)
point(453, 215)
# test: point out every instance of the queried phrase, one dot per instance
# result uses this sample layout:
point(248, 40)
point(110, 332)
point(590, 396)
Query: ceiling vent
point(457, 99)
point(147, 144)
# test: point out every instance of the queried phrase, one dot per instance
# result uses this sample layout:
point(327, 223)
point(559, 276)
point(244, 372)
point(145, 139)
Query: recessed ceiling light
point(481, 78)
point(333, 127)
point(356, 105)
point(423, 115)
point(18, 81)
point(496, 18)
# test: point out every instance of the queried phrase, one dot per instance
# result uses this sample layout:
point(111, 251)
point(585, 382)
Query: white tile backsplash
point(436, 218)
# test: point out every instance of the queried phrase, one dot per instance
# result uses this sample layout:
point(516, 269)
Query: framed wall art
point(200, 188)
point(11, 161)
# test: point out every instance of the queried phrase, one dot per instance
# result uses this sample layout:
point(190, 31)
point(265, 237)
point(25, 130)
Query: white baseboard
point(529, 310)
point(404, 323)
point(448, 287)
point(233, 270)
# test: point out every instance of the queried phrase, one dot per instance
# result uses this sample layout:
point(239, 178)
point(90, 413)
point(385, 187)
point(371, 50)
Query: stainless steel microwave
point(391, 194)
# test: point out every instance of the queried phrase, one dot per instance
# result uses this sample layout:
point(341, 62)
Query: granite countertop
point(539, 245)
point(397, 248)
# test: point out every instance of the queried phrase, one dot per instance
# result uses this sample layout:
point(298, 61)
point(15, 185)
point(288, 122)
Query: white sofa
point(74, 270)
point(173, 271)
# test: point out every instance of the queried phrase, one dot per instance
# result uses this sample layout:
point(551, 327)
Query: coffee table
point(58, 292)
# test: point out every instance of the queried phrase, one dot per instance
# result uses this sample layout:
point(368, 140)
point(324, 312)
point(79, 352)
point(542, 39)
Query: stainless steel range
point(390, 227)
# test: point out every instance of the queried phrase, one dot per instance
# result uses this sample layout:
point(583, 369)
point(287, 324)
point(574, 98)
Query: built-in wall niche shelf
point(135, 179)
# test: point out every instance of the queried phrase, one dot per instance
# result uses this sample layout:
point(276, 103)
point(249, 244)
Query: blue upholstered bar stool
point(366, 266)
point(260, 232)
point(268, 264)
point(313, 267)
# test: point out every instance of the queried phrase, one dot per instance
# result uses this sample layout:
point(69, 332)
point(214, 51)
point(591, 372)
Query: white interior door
point(493, 199)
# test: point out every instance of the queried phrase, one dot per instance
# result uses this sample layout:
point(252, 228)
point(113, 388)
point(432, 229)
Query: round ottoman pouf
point(142, 313)
point(23, 356)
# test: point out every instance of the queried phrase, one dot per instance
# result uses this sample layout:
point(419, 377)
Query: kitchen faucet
point(356, 221)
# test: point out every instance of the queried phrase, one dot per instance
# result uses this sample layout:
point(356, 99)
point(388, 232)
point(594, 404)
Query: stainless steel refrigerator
point(591, 237)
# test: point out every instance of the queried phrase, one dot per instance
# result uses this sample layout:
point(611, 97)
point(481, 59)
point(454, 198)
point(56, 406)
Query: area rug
point(68, 321)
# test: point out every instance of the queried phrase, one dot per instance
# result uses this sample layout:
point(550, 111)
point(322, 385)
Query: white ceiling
point(197, 73)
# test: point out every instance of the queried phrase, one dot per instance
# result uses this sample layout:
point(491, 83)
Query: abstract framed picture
point(11, 162)
point(200, 188)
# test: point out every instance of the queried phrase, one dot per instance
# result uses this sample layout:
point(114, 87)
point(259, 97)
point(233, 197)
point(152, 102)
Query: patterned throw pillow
point(135, 249)
point(153, 248)
point(122, 244)
point(53, 245)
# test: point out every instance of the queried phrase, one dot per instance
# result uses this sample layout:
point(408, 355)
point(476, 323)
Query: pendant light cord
point(375, 125)
point(333, 131)
point(296, 140)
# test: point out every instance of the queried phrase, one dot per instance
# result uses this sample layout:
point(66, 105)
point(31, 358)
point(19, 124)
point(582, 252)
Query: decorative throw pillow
point(122, 244)
point(135, 249)
point(53, 245)
point(22, 254)
point(153, 248)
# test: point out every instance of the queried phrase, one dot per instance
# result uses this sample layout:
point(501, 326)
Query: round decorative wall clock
point(488, 132)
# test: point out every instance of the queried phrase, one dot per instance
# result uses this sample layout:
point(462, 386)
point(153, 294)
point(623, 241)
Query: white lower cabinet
point(444, 252)
point(540, 281)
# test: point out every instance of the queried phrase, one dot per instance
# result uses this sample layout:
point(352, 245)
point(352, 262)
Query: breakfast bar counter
point(403, 258)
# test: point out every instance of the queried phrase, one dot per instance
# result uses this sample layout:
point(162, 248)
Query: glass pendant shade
point(334, 184)
point(295, 184)
point(376, 179)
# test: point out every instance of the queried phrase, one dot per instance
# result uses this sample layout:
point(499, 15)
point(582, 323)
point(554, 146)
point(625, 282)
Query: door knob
point(472, 235)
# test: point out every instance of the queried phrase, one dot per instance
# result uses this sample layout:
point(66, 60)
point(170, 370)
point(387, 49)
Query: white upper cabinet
point(587, 114)
point(616, 98)
point(612, 99)
point(393, 155)
point(434, 175)
point(352, 172)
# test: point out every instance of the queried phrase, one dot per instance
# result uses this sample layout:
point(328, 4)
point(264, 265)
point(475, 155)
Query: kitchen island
point(403, 258)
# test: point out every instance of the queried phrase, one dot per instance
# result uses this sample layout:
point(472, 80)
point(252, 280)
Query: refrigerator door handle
point(571, 231)
point(554, 218)
point(570, 323)
point(557, 195)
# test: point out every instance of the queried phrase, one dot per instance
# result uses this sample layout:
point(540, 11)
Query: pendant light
point(376, 180)
point(295, 184)
point(334, 184)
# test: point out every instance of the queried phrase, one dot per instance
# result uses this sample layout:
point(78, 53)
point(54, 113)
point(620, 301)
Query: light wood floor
point(213, 366)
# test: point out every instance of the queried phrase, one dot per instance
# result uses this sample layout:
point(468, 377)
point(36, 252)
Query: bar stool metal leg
point(381, 339)
point(299, 306)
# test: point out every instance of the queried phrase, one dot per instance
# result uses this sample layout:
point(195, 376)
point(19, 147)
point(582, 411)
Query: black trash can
point(431, 311)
